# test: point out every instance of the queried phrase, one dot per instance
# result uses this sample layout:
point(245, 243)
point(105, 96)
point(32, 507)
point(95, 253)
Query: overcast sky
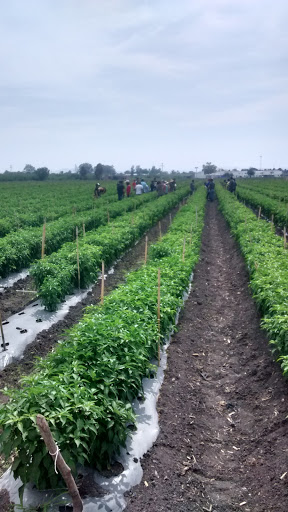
point(143, 82)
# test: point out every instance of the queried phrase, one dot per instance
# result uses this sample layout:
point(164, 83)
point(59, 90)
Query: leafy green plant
point(267, 261)
point(57, 274)
point(85, 387)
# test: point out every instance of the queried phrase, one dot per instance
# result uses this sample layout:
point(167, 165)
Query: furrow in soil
point(223, 443)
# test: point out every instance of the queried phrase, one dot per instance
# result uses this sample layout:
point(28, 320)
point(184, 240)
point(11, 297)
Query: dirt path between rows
point(223, 443)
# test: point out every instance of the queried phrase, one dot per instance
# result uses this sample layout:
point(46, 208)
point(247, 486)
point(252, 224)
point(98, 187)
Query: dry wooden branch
point(60, 462)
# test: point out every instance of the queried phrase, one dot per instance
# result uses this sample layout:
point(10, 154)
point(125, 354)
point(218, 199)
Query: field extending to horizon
point(90, 294)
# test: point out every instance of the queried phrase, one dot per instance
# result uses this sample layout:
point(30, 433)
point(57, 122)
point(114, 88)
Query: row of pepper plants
point(267, 262)
point(274, 188)
point(20, 248)
point(269, 206)
point(85, 386)
point(24, 205)
point(57, 275)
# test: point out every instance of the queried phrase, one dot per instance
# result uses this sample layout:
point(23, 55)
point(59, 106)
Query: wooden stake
point(170, 218)
point(59, 462)
point(78, 265)
point(272, 222)
point(2, 334)
point(285, 237)
point(259, 213)
point(43, 240)
point(146, 250)
point(102, 283)
point(158, 314)
point(160, 231)
point(84, 229)
point(183, 255)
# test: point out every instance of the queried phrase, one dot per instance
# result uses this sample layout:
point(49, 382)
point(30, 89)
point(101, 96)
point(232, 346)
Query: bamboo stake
point(78, 265)
point(259, 213)
point(102, 283)
point(285, 237)
point(59, 462)
point(170, 218)
point(2, 334)
point(272, 222)
point(158, 313)
point(183, 255)
point(84, 233)
point(160, 231)
point(146, 250)
point(43, 240)
point(27, 291)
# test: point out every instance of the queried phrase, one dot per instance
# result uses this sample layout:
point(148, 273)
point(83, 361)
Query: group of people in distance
point(139, 187)
point(231, 185)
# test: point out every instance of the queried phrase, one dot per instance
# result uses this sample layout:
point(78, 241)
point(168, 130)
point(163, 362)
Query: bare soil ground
point(223, 443)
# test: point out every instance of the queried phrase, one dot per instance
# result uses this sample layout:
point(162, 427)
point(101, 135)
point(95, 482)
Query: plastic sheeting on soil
point(137, 445)
point(7, 282)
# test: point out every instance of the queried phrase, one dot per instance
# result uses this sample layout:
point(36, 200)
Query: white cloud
point(121, 70)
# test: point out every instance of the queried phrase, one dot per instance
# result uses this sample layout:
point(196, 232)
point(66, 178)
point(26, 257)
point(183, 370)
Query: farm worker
point(139, 189)
point(159, 188)
point(165, 187)
point(128, 188)
point(96, 190)
point(211, 190)
point(152, 186)
point(232, 186)
point(172, 185)
point(134, 184)
point(192, 187)
point(145, 186)
point(120, 190)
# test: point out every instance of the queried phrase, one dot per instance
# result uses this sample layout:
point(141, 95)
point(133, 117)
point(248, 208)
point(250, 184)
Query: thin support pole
point(146, 250)
point(285, 237)
point(102, 283)
point(183, 255)
point(78, 264)
point(43, 240)
point(60, 463)
point(259, 212)
point(2, 335)
point(160, 231)
point(158, 313)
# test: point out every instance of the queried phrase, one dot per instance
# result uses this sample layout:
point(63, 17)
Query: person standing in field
point(120, 190)
point(139, 189)
point(134, 185)
point(232, 186)
point(159, 188)
point(145, 186)
point(192, 187)
point(128, 188)
point(211, 190)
